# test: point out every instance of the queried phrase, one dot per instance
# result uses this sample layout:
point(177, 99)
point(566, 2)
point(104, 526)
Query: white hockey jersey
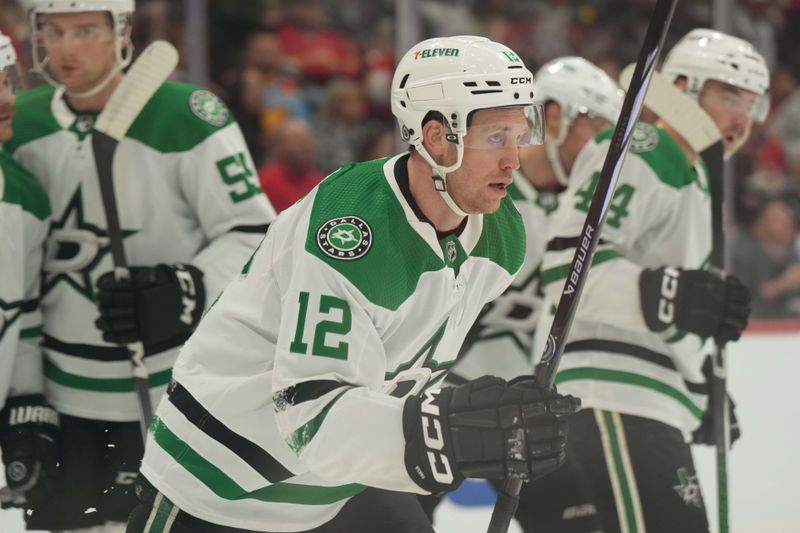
point(659, 215)
point(288, 398)
point(24, 213)
point(500, 342)
point(186, 191)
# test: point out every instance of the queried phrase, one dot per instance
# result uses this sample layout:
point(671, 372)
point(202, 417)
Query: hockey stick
point(150, 70)
point(508, 496)
point(685, 115)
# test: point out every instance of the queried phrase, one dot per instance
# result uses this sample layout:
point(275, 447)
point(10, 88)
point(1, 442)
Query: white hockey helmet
point(121, 12)
point(704, 54)
point(13, 79)
point(455, 76)
point(578, 87)
point(8, 56)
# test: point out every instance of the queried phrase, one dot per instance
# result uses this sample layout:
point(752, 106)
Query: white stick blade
point(677, 109)
point(150, 70)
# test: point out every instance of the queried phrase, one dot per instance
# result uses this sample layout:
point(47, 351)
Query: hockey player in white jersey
point(191, 212)
point(309, 398)
point(579, 101)
point(29, 433)
point(634, 354)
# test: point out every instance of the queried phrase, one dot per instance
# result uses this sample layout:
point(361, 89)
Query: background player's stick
point(508, 496)
point(684, 114)
point(150, 70)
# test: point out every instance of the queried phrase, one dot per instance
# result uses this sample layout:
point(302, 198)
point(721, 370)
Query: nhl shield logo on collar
point(345, 238)
point(451, 251)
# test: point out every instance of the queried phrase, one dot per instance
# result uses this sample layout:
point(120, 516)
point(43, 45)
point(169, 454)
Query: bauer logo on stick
point(208, 107)
point(345, 238)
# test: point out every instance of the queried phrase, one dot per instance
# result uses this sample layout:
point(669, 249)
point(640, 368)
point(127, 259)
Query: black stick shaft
point(713, 158)
point(508, 499)
point(104, 148)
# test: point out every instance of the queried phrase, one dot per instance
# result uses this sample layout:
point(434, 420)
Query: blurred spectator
point(314, 46)
point(267, 92)
point(343, 125)
point(290, 173)
point(766, 259)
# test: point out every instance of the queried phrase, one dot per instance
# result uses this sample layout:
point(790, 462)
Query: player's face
point(6, 106)
point(583, 129)
point(80, 47)
point(730, 109)
point(491, 153)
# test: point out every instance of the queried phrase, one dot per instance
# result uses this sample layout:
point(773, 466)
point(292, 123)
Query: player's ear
point(433, 138)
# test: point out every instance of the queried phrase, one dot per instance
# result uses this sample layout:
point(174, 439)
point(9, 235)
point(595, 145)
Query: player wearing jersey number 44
point(309, 397)
point(190, 213)
point(635, 355)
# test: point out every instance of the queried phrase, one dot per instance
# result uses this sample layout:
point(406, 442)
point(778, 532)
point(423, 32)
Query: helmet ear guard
point(455, 76)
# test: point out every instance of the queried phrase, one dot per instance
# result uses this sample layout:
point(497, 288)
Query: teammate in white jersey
point(579, 101)
point(190, 209)
point(29, 431)
point(633, 354)
point(309, 398)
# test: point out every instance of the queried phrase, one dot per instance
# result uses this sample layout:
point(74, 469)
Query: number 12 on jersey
point(340, 323)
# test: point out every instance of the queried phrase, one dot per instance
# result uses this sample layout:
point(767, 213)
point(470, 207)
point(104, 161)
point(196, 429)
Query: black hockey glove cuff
point(155, 304)
point(485, 428)
point(694, 301)
point(704, 434)
point(29, 439)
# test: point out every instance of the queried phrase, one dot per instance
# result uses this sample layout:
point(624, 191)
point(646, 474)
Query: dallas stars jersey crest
point(500, 342)
point(186, 192)
point(659, 215)
point(24, 212)
point(288, 398)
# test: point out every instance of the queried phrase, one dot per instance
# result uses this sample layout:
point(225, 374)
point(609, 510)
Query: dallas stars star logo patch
point(345, 238)
point(75, 248)
point(689, 488)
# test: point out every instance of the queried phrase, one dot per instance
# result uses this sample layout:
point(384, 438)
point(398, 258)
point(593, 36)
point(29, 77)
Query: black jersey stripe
point(622, 348)
point(260, 229)
point(109, 353)
point(633, 350)
point(309, 390)
point(254, 455)
point(559, 244)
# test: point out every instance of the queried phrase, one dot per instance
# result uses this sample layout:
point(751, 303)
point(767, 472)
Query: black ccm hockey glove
point(29, 439)
point(485, 428)
point(155, 304)
point(694, 301)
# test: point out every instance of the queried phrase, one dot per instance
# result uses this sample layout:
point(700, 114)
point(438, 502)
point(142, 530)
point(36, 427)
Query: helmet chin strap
point(551, 148)
point(440, 175)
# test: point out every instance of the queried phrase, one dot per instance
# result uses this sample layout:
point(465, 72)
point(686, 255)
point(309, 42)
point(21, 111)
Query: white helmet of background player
point(454, 76)
point(579, 88)
point(13, 80)
point(703, 55)
point(121, 12)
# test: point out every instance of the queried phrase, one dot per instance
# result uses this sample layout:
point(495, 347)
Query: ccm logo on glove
point(434, 439)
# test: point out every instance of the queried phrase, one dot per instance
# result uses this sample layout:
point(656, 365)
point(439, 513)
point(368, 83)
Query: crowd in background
point(308, 81)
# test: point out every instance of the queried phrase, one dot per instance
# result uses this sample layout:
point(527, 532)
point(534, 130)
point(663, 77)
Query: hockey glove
point(29, 439)
point(155, 304)
point(694, 301)
point(485, 428)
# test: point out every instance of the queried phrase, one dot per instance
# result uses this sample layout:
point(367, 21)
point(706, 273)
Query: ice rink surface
point(765, 464)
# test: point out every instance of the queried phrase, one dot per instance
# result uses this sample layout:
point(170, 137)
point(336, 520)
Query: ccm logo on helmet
point(432, 435)
point(521, 80)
